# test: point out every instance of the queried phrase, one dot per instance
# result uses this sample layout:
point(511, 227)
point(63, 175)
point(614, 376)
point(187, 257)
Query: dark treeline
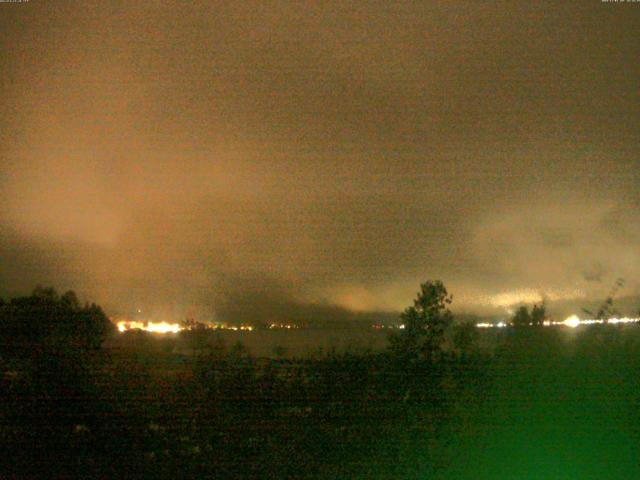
point(417, 410)
point(45, 316)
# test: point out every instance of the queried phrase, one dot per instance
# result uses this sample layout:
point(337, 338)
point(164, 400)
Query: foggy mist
point(318, 160)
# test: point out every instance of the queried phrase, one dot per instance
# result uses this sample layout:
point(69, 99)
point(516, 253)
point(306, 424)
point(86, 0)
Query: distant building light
point(573, 321)
point(160, 327)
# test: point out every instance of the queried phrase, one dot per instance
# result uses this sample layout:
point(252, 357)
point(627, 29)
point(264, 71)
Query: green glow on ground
point(551, 417)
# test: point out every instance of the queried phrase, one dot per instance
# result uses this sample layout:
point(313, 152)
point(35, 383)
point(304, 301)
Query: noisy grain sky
point(181, 155)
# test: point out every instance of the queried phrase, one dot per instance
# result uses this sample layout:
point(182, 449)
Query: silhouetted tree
point(46, 294)
point(424, 323)
point(607, 310)
point(71, 300)
point(46, 316)
point(465, 337)
point(92, 325)
point(538, 315)
point(521, 318)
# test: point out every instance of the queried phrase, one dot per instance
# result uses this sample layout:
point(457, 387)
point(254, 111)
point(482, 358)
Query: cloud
point(346, 151)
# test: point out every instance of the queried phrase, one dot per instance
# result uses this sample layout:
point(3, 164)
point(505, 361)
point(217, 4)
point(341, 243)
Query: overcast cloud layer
point(185, 157)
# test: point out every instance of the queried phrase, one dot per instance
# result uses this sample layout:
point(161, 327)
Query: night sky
point(218, 158)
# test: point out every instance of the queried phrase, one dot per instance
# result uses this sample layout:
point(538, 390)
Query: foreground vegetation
point(543, 403)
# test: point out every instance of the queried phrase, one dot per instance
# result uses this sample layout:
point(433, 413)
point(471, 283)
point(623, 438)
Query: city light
point(572, 321)
point(165, 327)
point(153, 327)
